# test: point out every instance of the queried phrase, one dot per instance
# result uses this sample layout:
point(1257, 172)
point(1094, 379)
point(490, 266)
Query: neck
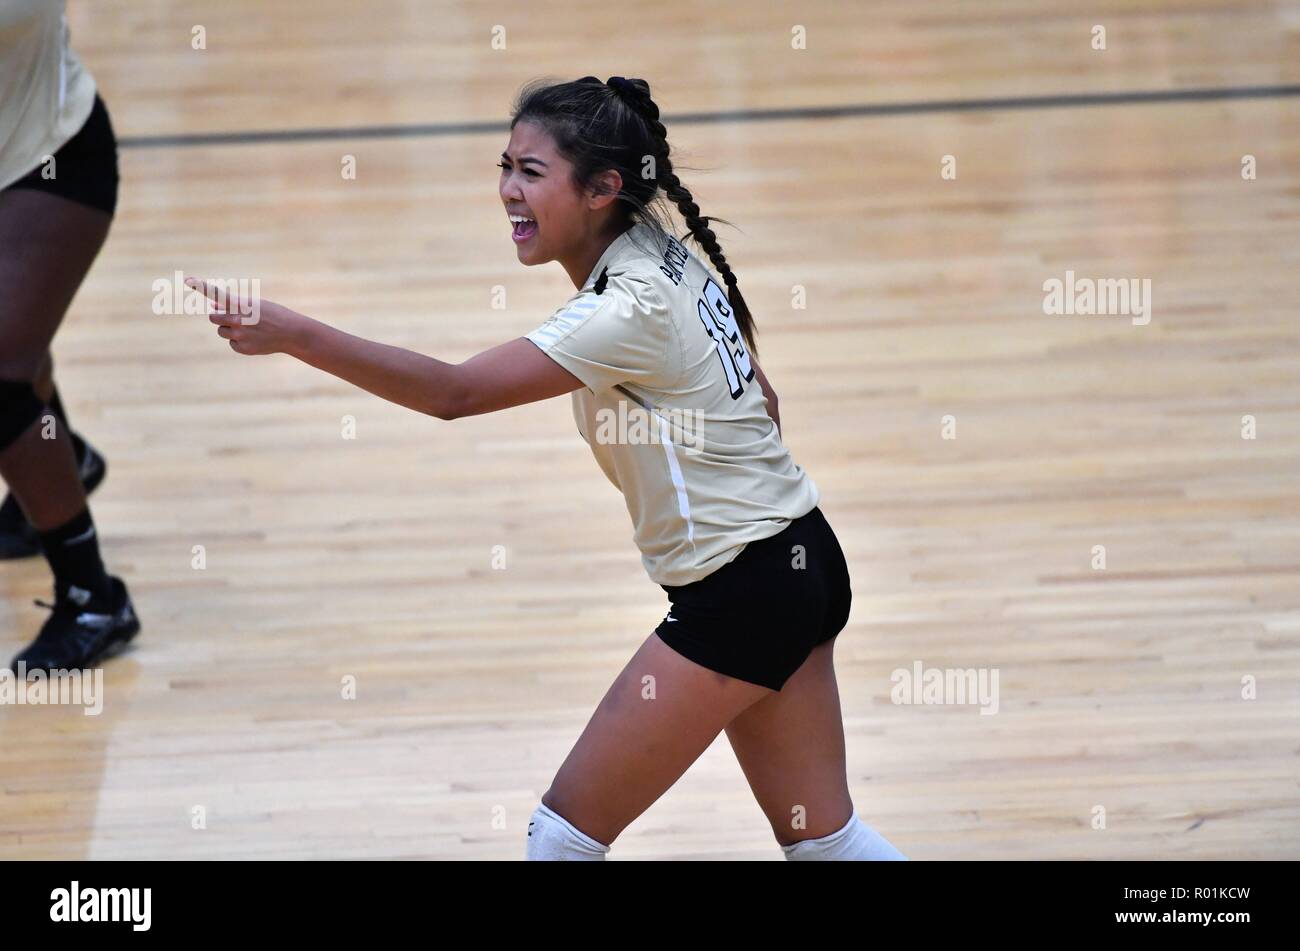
point(579, 267)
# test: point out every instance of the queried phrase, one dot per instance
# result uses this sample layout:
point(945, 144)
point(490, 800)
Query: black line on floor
point(438, 129)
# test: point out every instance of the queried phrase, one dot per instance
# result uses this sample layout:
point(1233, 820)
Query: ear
point(604, 189)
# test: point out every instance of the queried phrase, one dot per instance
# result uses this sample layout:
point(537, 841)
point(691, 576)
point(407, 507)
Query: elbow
point(446, 411)
point(452, 399)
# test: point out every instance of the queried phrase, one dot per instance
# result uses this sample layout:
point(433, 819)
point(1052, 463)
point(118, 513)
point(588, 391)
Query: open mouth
point(524, 227)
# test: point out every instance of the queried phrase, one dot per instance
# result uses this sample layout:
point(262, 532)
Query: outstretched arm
point(507, 375)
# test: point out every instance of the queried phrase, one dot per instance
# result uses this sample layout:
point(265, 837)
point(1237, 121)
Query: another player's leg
point(47, 244)
point(659, 715)
point(790, 746)
point(18, 539)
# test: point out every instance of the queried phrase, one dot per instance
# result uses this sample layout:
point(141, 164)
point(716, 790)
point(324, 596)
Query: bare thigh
point(659, 715)
point(790, 746)
point(47, 244)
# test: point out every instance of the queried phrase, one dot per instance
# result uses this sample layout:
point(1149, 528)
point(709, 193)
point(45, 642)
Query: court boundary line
point(997, 104)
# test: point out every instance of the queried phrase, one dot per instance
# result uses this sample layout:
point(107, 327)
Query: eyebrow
point(525, 160)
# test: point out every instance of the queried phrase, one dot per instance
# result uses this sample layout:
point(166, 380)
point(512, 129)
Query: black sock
point(72, 550)
point(56, 405)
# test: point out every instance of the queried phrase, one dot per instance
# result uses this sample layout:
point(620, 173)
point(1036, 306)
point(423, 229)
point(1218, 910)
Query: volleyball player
point(58, 194)
point(726, 522)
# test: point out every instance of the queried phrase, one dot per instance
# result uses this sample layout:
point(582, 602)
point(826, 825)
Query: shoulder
point(627, 306)
point(634, 287)
point(630, 285)
point(633, 293)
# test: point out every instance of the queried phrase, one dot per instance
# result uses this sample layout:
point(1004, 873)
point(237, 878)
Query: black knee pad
point(19, 408)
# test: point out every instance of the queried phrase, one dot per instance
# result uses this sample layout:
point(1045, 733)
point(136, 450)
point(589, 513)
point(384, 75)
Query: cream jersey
point(672, 408)
point(45, 93)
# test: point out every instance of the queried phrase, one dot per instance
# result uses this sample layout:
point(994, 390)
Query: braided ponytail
point(636, 92)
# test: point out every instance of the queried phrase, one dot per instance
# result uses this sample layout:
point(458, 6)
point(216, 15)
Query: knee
point(20, 407)
point(20, 364)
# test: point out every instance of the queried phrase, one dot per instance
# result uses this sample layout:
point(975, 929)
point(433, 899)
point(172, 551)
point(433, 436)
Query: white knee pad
point(552, 838)
point(856, 842)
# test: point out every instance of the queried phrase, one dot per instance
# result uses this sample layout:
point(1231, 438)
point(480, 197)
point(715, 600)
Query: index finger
point(224, 297)
point(199, 285)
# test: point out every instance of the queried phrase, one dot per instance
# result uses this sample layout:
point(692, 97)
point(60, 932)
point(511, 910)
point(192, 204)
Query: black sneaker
point(17, 537)
point(82, 630)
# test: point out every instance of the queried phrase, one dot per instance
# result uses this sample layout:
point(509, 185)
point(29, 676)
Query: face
point(537, 183)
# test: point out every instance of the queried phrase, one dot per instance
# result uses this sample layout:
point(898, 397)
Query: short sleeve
point(618, 336)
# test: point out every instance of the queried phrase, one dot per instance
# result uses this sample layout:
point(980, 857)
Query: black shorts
point(758, 617)
point(85, 169)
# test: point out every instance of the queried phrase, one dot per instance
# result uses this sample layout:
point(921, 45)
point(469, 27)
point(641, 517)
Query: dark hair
point(600, 126)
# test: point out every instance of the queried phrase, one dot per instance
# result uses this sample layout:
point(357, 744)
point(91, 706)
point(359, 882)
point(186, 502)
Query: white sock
point(856, 842)
point(552, 838)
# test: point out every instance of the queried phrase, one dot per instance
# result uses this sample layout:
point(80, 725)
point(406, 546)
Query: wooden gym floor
point(1121, 689)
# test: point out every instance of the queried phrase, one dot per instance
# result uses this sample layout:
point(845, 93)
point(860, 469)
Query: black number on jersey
point(720, 322)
